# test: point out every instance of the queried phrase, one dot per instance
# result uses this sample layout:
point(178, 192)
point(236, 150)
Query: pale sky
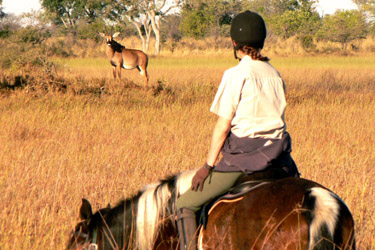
point(325, 7)
point(21, 6)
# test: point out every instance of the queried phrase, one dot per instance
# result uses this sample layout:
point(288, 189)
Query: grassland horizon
point(104, 140)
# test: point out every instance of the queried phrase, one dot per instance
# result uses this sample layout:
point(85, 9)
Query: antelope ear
point(85, 211)
point(116, 34)
point(102, 34)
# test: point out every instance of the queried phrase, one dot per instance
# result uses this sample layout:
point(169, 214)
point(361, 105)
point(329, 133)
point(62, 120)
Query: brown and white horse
point(291, 213)
point(121, 57)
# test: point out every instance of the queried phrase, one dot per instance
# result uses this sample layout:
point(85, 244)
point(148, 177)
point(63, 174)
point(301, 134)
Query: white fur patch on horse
point(184, 181)
point(152, 205)
point(326, 211)
point(128, 66)
point(147, 218)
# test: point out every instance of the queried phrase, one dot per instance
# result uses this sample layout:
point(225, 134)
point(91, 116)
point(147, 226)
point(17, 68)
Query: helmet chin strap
point(235, 50)
point(235, 53)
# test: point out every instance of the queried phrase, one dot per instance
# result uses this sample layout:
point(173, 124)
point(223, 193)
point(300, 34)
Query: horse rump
point(331, 223)
point(291, 213)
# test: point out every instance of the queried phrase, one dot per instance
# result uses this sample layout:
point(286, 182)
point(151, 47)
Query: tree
point(196, 21)
point(270, 8)
point(343, 27)
point(298, 19)
point(61, 11)
point(9, 24)
point(68, 12)
point(291, 18)
point(143, 26)
point(208, 17)
point(366, 5)
point(368, 8)
point(170, 27)
point(155, 11)
point(2, 14)
point(145, 15)
point(122, 11)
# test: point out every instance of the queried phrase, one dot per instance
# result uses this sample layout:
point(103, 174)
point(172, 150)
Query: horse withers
point(121, 57)
point(291, 213)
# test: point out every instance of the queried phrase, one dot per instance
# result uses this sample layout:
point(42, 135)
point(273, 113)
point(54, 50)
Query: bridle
point(87, 245)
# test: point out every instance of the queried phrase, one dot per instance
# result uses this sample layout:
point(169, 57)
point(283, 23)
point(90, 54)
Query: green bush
point(343, 27)
point(5, 31)
point(307, 42)
point(60, 49)
point(90, 30)
point(31, 35)
point(24, 50)
point(196, 22)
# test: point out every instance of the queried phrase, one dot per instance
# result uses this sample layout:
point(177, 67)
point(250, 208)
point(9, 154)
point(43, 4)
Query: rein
point(92, 244)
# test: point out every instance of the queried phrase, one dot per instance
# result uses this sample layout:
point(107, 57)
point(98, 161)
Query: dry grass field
point(104, 140)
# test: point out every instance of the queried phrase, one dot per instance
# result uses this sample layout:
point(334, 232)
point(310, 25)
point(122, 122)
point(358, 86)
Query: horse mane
point(116, 45)
point(154, 204)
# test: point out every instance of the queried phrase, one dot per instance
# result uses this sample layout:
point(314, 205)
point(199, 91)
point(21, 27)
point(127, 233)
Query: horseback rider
point(250, 130)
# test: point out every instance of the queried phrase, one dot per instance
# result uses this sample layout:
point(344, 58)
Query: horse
point(289, 213)
point(121, 57)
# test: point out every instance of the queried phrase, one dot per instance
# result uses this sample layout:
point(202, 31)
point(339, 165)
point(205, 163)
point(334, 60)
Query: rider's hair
point(254, 53)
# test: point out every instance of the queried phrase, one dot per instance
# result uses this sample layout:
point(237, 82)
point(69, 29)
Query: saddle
point(246, 183)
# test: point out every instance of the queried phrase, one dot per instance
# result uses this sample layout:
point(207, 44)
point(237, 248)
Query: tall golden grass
point(104, 140)
point(214, 47)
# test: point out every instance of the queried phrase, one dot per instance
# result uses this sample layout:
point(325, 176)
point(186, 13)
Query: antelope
point(121, 57)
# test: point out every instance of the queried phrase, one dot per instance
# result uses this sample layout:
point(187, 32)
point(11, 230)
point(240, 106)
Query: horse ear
point(116, 34)
point(85, 211)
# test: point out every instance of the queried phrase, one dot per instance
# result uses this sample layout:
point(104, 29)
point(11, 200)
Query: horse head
point(109, 38)
point(85, 234)
point(143, 221)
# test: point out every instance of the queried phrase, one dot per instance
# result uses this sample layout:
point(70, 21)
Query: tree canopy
point(343, 27)
point(208, 17)
point(202, 18)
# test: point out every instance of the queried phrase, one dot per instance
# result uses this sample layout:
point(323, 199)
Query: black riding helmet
point(248, 28)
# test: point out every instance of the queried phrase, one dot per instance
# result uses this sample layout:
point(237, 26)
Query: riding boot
point(187, 227)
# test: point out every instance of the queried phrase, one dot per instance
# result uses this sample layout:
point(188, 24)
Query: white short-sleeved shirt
point(252, 96)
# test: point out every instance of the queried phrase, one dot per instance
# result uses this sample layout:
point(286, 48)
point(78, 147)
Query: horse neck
point(118, 227)
point(117, 46)
point(114, 47)
point(151, 211)
point(156, 208)
point(147, 218)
